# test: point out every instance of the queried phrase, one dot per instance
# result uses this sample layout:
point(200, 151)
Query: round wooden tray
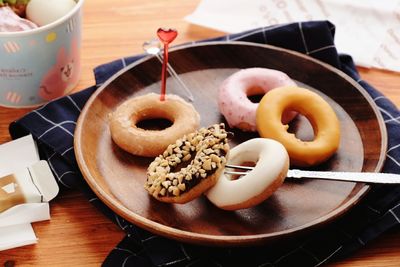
point(118, 177)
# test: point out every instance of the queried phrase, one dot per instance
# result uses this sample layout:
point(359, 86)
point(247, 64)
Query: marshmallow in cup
point(43, 12)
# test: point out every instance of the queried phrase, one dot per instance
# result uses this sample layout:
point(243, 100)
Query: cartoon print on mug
point(63, 75)
point(11, 193)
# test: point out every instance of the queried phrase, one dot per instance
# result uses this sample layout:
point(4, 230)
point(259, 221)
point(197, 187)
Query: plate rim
point(209, 239)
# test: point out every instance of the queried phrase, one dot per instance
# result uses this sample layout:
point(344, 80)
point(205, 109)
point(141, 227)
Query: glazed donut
point(320, 114)
point(150, 143)
point(233, 94)
point(205, 150)
point(272, 163)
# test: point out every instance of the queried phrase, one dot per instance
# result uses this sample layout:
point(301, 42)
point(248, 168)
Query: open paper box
point(26, 186)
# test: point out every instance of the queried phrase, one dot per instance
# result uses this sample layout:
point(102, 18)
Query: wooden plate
point(118, 177)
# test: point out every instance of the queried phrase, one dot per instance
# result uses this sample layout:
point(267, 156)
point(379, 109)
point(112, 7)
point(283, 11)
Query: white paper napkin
point(369, 30)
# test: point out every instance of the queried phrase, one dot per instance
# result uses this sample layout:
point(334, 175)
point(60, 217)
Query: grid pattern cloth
point(53, 125)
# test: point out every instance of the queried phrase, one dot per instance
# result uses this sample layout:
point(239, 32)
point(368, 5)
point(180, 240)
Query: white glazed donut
point(233, 94)
point(272, 163)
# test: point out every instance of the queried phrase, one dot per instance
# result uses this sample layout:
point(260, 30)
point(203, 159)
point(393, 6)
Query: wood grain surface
point(118, 177)
point(78, 234)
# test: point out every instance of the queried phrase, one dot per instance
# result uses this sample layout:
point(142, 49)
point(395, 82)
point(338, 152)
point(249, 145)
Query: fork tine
point(244, 168)
point(235, 173)
point(239, 167)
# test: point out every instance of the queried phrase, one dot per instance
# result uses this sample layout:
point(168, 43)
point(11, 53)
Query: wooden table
point(78, 234)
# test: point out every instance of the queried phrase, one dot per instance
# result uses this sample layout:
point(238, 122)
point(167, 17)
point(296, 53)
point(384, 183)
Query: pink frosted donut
point(233, 94)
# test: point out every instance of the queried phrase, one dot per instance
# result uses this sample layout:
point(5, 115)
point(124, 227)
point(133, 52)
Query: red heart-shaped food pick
point(167, 35)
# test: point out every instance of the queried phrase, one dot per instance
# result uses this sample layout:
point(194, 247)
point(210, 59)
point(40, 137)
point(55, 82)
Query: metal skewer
point(366, 177)
point(153, 47)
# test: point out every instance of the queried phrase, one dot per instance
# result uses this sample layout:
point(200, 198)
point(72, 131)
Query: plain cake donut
point(319, 113)
point(233, 94)
point(272, 163)
point(150, 143)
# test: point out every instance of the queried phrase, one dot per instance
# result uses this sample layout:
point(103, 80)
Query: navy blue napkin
point(53, 126)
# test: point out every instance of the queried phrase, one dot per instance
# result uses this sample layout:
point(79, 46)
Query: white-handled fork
point(365, 177)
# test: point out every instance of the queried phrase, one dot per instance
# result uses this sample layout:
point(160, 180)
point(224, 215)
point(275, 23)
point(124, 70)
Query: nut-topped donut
point(205, 151)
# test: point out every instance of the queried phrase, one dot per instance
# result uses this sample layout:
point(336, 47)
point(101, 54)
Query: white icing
point(271, 159)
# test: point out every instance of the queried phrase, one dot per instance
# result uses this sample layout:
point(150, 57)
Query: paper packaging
point(366, 29)
point(23, 174)
point(18, 154)
point(34, 184)
point(16, 236)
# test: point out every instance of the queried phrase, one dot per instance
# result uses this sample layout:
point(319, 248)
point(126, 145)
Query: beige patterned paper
point(366, 29)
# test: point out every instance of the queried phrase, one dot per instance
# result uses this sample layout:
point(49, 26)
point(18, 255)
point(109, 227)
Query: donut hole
point(156, 124)
point(238, 176)
point(255, 94)
point(255, 98)
point(302, 128)
point(155, 120)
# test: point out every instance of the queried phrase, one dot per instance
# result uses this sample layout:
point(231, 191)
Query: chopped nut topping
point(182, 187)
point(186, 157)
point(203, 151)
point(163, 191)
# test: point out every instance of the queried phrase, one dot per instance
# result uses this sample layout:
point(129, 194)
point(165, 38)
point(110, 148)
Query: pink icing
point(11, 22)
point(233, 102)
